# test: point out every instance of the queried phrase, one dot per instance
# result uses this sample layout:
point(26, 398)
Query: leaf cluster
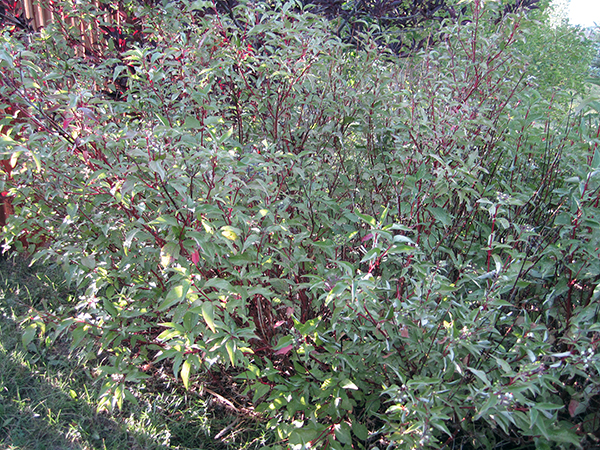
point(377, 249)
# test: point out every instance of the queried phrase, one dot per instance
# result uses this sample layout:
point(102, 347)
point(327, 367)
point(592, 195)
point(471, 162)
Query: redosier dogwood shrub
point(378, 250)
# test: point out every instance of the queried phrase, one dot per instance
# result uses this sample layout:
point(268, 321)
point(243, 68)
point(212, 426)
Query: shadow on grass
point(47, 399)
point(44, 411)
point(41, 411)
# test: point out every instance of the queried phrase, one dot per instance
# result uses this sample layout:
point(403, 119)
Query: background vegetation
point(344, 247)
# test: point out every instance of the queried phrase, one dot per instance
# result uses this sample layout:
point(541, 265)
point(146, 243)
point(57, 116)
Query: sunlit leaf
point(185, 373)
point(208, 315)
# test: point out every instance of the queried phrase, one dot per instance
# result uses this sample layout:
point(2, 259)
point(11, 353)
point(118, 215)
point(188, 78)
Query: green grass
point(47, 394)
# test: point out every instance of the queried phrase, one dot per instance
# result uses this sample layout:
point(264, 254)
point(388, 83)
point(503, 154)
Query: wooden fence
point(40, 13)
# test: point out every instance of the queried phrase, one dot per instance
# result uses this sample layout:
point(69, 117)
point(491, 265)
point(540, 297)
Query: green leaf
point(117, 71)
point(119, 395)
point(368, 219)
point(384, 215)
point(302, 436)
point(169, 253)
point(563, 219)
point(77, 335)
point(162, 118)
point(505, 366)
point(36, 159)
point(260, 390)
point(342, 433)
point(208, 314)
point(191, 123)
point(230, 233)
point(441, 215)
point(348, 384)
point(307, 327)
point(157, 167)
point(168, 334)
point(129, 239)
point(480, 374)
point(402, 238)
point(284, 341)
point(548, 406)
point(440, 425)
point(161, 221)
point(219, 283)
point(231, 348)
point(371, 254)
point(110, 307)
point(490, 402)
point(596, 160)
point(401, 249)
point(185, 373)
point(360, 431)
point(565, 434)
point(176, 295)
point(28, 334)
point(540, 424)
point(88, 262)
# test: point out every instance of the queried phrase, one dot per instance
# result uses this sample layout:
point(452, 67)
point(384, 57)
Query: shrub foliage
point(376, 249)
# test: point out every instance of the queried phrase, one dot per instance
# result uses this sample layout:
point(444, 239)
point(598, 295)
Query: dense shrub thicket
point(366, 249)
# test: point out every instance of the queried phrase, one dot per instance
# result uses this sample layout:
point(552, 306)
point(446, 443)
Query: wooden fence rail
point(38, 15)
